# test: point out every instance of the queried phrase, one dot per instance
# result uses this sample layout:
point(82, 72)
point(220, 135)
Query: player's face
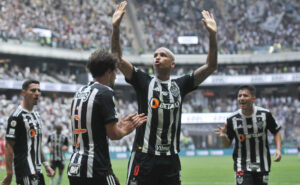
point(245, 99)
point(32, 94)
point(162, 60)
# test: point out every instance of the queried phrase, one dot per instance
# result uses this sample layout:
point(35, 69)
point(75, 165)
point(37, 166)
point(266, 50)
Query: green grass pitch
point(214, 171)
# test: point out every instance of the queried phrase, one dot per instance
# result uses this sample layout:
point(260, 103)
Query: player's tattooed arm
point(125, 67)
point(211, 62)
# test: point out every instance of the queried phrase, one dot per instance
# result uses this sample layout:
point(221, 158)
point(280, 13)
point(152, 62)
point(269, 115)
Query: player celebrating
point(248, 127)
point(58, 145)
point(24, 141)
point(93, 121)
point(154, 158)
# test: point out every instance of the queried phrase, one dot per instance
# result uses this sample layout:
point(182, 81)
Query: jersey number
point(78, 131)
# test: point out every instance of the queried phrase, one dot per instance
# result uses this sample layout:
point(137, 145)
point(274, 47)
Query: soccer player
point(58, 145)
point(248, 127)
point(154, 158)
point(24, 140)
point(94, 119)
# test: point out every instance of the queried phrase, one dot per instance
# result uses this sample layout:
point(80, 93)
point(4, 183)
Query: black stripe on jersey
point(154, 122)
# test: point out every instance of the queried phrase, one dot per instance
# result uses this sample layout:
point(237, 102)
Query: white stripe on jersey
point(148, 124)
point(90, 159)
point(265, 150)
point(29, 143)
point(177, 123)
point(248, 157)
point(255, 129)
point(130, 166)
point(239, 158)
point(160, 118)
point(112, 180)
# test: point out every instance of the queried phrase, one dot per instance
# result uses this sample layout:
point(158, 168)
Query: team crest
point(239, 179)
point(13, 123)
point(174, 90)
point(259, 123)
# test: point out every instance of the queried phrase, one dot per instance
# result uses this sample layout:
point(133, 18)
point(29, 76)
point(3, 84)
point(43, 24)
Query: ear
point(172, 64)
point(23, 92)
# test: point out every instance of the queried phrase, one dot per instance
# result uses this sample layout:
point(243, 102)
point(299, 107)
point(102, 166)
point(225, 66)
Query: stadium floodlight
point(187, 39)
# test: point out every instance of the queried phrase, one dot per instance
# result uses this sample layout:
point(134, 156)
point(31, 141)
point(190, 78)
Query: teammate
point(2, 151)
point(24, 140)
point(154, 158)
point(248, 127)
point(58, 145)
point(93, 120)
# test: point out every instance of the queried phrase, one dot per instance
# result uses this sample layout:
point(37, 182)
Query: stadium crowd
point(59, 23)
point(247, 25)
point(69, 75)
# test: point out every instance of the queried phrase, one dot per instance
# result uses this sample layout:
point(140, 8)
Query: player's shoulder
point(261, 109)
point(17, 113)
point(233, 115)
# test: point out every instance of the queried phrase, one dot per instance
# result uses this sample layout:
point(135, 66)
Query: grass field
point(214, 171)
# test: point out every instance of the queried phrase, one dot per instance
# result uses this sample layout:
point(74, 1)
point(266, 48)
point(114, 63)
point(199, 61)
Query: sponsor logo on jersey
point(163, 147)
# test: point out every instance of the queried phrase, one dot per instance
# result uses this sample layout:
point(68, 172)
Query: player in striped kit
point(58, 144)
point(24, 140)
point(94, 120)
point(248, 127)
point(154, 158)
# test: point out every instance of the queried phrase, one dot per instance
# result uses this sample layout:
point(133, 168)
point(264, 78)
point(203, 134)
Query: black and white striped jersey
point(92, 108)
point(56, 142)
point(25, 128)
point(162, 102)
point(251, 151)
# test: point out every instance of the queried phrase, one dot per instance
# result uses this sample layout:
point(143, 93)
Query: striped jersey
point(162, 102)
point(92, 108)
point(251, 150)
point(25, 128)
point(56, 142)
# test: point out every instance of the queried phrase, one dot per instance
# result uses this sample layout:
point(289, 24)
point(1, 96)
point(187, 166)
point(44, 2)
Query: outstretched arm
point(211, 62)
point(125, 67)
point(116, 131)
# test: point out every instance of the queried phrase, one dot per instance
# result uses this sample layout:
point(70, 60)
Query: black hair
point(27, 83)
point(250, 88)
point(100, 61)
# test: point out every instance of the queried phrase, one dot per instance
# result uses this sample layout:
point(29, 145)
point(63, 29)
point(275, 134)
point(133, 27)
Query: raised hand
point(118, 15)
point(209, 21)
point(221, 131)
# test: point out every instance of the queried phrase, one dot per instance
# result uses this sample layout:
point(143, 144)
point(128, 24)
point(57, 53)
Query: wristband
point(46, 163)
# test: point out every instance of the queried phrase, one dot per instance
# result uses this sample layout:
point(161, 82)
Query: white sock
point(59, 179)
point(52, 181)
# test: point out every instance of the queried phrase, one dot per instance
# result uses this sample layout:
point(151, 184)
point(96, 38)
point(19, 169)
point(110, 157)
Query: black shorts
point(106, 179)
point(250, 178)
point(31, 180)
point(57, 164)
point(146, 169)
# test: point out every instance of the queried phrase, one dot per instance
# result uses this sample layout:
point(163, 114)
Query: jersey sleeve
point(107, 106)
point(186, 84)
point(230, 131)
point(13, 126)
point(138, 79)
point(271, 124)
